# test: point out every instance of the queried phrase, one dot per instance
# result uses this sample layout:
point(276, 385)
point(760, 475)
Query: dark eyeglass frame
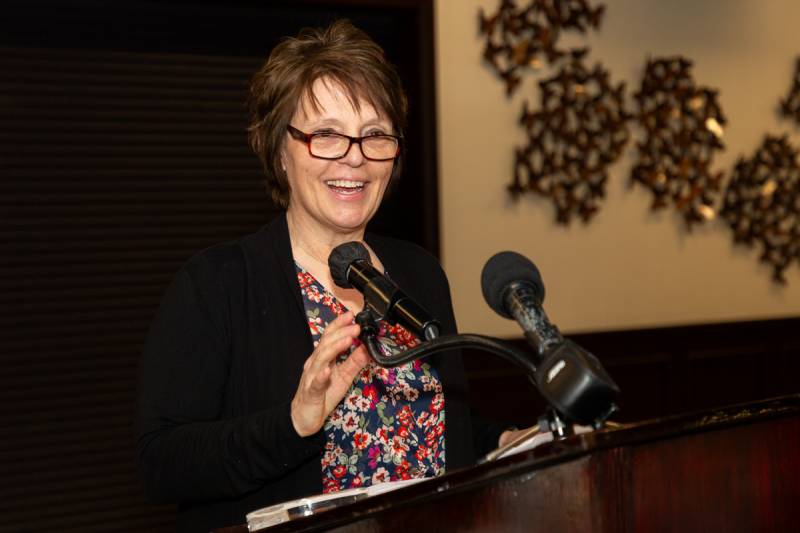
point(308, 137)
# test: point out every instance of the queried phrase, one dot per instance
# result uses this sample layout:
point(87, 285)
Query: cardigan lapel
point(282, 248)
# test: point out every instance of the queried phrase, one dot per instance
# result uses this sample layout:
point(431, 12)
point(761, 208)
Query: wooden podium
point(729, 469)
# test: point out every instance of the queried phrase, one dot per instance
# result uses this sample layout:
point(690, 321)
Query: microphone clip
point(369, 332)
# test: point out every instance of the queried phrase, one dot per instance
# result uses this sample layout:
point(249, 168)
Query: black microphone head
point(342, 257)
point(504, 269)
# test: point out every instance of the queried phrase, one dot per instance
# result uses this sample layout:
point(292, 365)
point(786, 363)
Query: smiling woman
point(333, 197)
point(254, 387)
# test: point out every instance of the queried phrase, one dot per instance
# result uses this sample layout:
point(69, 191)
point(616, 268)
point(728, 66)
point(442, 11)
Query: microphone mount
point(566, 377)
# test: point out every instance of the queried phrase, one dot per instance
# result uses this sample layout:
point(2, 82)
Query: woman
point(253, 391)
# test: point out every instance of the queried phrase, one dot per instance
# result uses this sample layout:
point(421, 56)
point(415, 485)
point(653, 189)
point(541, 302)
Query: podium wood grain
point(729, 469)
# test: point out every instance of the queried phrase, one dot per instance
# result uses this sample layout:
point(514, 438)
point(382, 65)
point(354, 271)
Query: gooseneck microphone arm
point(441, 344)
point(571, 379)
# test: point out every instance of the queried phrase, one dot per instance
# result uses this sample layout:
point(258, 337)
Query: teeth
point(346, 184)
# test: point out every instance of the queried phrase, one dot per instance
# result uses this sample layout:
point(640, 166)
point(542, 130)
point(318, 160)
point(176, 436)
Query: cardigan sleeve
point(187, 450)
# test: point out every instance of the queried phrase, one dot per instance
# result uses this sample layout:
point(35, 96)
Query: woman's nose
point(353, 157)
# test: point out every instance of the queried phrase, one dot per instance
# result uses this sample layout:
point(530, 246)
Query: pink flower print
point(437, 403)
point(430, 439)
point(327, 301)
point(328, 458)
point(361, 440)
point(381, 475)
point(304, 279)
point(383, 435)
point(399, 446)
point(354, 402)
point(389, 377)
point(313, 294)
point(339, 471)
point(381, 372)
point(370, 392)
point(402, 336)
point(315, 325)
point(374, 454)
point(335, 418)
point(366, 375)
point(402, 432)
point(334, 306)
point(410, 393)
point(405, 416)
point(401, 470)
point(422, 453)
point(363, 403)
point(357, 482)
point(330, 485)
point(350, 422)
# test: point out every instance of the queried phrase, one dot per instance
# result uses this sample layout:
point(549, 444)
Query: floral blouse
point(390, 424)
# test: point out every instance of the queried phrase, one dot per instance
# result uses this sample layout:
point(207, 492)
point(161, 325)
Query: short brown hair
point(340, 52)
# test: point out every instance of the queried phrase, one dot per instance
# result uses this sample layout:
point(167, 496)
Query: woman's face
point(342, 194)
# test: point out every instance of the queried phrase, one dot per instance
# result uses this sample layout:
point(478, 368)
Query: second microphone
point(351, 268)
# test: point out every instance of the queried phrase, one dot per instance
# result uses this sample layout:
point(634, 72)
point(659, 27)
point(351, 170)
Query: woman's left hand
point(509, 435)
point(324, 381)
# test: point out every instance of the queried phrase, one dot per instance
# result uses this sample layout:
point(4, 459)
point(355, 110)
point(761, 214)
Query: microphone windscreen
point(503, 269)
point(342, 257)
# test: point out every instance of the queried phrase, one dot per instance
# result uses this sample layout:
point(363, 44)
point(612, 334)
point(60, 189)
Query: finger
point(344, 336)
point(332, 342)
point(319, 385)
point(325, 353)
point(351, 330)
point(342, 320)
point(350, 367)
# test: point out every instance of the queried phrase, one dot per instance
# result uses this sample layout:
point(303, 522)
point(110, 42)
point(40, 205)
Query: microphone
point(513, 288)
point(351, 268)
point(570, 378)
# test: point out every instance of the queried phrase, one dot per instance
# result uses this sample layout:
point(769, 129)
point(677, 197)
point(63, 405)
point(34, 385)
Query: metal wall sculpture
point(762, 203)
point(790, 106)
point(579, 129)
point(683, 126)
point(517, 38)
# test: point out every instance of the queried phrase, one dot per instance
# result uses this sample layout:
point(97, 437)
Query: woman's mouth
point(345, 186)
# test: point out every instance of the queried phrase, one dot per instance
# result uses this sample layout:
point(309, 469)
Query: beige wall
point(629, 267)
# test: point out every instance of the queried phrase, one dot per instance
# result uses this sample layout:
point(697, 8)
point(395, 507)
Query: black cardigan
point(221, 364)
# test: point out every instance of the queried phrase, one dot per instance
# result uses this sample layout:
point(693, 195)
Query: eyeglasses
point(329, 145)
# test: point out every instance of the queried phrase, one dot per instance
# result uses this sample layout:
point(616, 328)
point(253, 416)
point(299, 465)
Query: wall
point(629, 268)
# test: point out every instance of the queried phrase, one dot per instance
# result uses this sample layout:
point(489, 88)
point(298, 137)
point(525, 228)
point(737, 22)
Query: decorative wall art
point(790, 106)
point(762, 203)
point(518, 38)
point(579, 129)
point(683, 127)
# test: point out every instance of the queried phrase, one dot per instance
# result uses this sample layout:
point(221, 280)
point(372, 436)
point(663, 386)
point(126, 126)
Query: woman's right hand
point(324, 382)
